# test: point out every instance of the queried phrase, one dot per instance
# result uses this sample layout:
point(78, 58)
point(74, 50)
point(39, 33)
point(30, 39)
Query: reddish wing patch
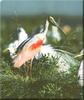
point(36, 45)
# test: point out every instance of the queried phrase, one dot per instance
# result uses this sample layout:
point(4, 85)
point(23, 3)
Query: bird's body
point(28, 52)
point(31, 48)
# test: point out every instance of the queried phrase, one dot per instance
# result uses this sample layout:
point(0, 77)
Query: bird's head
point(52, 21)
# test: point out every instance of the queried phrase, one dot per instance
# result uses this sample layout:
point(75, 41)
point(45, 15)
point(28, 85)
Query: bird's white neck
point(46, 27)
point(43, 35)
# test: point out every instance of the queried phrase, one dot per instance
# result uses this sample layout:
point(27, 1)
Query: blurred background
point(30, 14)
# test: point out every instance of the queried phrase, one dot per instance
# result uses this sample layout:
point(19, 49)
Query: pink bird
point(31, 46)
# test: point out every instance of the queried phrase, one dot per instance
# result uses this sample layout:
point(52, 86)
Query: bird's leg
point(30, 68)
point(25, 69)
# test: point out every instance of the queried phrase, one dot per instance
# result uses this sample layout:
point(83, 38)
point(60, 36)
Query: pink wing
point(27, 53)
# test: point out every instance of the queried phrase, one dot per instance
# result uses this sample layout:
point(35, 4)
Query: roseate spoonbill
point(81, 68)
point(31, 46)
point(44, 50)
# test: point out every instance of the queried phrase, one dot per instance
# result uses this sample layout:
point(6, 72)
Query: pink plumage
point(27, 53)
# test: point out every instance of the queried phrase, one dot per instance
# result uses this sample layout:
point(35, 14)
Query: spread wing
point(29, 50)
point(22, 44)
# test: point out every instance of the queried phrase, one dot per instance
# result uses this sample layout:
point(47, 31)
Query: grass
point(46, 81)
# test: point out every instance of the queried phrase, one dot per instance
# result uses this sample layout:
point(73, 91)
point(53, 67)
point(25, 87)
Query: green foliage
point(46, 81)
